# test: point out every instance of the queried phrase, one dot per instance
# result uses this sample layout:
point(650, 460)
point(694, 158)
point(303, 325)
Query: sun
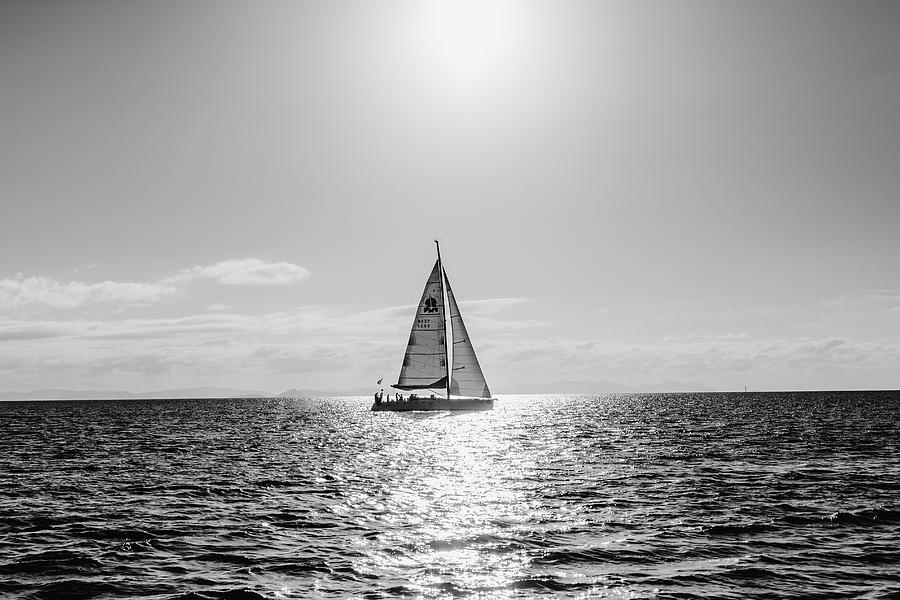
point(470, 43)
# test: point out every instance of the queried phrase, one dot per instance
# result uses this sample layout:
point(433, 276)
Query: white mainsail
point(425, 361)
point(466, 378)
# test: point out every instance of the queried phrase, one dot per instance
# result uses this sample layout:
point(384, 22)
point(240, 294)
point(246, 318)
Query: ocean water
point(759, 495)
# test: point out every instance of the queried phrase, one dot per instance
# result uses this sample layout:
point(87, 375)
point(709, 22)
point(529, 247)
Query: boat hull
point(435, 404)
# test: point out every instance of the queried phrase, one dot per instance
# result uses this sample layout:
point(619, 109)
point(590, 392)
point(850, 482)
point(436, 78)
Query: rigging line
point(445, 304)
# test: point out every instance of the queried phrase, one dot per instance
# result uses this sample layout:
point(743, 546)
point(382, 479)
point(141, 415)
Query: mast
point(446, 353)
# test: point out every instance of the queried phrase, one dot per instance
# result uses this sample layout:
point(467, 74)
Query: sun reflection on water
point(446, 514)
point(493, 505)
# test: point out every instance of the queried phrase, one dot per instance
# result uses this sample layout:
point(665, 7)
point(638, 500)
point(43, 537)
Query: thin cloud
point(246, 271)
point(866, 300)
point(40, 292)
point(489, 305)
point(88, 267)
point(19, 291)
point(684, 358)
point(305, 321)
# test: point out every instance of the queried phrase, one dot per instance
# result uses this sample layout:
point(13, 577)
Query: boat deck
point(435, 404)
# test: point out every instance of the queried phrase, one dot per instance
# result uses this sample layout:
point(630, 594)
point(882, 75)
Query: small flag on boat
point(379, 381)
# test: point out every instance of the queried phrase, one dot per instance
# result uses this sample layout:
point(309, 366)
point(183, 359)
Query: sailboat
point(427, 363)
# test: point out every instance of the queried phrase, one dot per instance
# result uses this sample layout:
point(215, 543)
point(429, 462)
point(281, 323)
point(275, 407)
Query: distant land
point(559, 387)
point(305, 393)
point(195, 392)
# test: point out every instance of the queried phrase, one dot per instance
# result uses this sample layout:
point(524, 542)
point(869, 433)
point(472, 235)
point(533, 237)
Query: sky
point(246, 194)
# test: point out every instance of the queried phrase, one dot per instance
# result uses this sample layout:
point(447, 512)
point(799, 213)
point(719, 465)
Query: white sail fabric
point(425, 362)
point(466, 378)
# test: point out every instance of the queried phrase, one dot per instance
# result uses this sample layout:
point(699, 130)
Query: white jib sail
point(466, 378)
point(425, 362)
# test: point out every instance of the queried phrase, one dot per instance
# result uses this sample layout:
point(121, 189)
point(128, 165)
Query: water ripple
point(623, 496)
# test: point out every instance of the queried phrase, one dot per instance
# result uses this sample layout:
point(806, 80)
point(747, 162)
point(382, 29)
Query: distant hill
point(207, 392)
point(306, 393)
point(57, 394)
point(196, 392)
point(603, 387)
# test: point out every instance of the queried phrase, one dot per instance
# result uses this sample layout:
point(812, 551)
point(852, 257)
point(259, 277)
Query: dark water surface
point(624, 496)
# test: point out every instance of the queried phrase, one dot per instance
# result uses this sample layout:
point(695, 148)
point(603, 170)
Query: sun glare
point(468, 43)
